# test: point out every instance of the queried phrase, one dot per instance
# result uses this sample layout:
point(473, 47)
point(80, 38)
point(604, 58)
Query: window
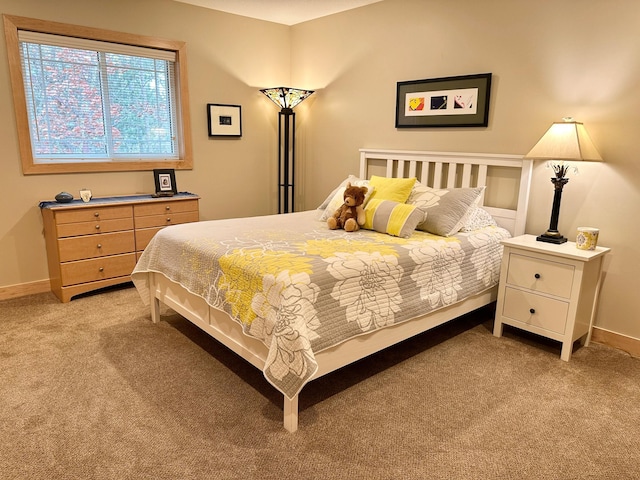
point(92, 100)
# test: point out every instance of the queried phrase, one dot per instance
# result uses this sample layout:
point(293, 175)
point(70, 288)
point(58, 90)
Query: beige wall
point(549, 59)
point(227, 63)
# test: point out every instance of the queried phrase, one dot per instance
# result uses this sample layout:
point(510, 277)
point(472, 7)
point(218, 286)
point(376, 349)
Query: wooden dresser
point(97, 244)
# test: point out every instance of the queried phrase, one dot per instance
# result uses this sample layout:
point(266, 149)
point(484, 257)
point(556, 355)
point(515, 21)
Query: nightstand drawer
point(540, 275)
point(536, 310)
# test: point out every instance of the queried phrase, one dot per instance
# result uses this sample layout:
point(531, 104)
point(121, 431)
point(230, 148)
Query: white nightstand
point(549, 289)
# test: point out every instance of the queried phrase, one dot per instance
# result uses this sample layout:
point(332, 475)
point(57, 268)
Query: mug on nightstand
point(587, 238)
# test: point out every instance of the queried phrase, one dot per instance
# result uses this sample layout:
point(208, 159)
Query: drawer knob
point(537, 275)
point(168, 219)
point(167, 207)
point(96, 214)
point(532, 311)
point(101, 269)
point(97, 227)
point(99, 245)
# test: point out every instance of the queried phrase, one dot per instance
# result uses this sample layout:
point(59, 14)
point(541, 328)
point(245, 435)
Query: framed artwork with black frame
point(444, 102)
point(224, 120)
point(165, 182)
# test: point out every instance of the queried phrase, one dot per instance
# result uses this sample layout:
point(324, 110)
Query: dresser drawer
point(159, 208)
point(540, 275)
point(92, 246)
point(144, 236)
point(83, 271)
point(92, 213)
point(94, 227)
point(537, 310)
point(166, 219)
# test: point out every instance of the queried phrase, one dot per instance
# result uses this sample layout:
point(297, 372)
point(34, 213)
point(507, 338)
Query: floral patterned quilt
point(301, 288)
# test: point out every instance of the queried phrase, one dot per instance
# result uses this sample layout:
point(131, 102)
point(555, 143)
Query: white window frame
point(12, 24)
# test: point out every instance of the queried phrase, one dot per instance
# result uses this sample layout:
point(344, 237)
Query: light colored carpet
point(92, 389)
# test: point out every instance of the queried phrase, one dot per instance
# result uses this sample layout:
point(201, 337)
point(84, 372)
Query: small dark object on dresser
point(64, 197)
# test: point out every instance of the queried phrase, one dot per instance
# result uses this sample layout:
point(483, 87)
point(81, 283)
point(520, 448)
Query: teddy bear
point(351, 214)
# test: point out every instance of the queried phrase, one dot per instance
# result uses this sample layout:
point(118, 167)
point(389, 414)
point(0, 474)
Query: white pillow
point(447, 210)
point(350, 178)
point(338, 197)
point(478, 218)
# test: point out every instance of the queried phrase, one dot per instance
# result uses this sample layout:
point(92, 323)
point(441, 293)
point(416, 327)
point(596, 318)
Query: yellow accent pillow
point(394, 189)
point(394, 218)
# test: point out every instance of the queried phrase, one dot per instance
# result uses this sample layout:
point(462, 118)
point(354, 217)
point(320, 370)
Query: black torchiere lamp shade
point(564, 141)
point(286, 98)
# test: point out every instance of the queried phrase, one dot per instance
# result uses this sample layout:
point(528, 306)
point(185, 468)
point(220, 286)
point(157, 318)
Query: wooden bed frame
point(435, 169)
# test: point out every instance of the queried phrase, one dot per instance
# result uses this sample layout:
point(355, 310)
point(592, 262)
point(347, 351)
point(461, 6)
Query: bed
point(298, 300)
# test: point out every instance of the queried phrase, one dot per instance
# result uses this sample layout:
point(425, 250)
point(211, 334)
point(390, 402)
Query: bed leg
point(154, 303)
point(291, 413)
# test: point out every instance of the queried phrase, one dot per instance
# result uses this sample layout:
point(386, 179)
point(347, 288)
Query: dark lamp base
point(557, 239)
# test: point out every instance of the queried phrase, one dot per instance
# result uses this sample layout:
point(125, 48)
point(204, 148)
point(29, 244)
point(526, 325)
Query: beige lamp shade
point(566, 140)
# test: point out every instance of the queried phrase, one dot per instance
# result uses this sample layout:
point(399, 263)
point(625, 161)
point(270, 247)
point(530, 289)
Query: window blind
point(91, 100)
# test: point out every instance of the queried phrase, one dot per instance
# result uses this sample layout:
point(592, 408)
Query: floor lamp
point(566, 140)
point(286, 98)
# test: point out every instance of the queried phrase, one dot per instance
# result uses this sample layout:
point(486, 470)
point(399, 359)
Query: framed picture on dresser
point(165, 180)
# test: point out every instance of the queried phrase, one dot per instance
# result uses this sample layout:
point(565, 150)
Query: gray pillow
point(447, 209)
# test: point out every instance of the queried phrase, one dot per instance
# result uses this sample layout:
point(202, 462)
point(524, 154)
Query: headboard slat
point(389, 167)
point(466, 175)
point(482, 179)
point(413, 166)
point(437, 175)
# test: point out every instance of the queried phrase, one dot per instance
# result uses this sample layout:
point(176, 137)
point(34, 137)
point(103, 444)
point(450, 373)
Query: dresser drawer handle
point(168, 219)
point(99, 245)
point(101, 269)
point(167, 207)
point(537, 275)
point(532, 311)
point(97, 214)
point(97, 227)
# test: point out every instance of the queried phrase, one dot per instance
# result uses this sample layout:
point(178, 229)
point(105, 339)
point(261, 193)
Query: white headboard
point(450, 170)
